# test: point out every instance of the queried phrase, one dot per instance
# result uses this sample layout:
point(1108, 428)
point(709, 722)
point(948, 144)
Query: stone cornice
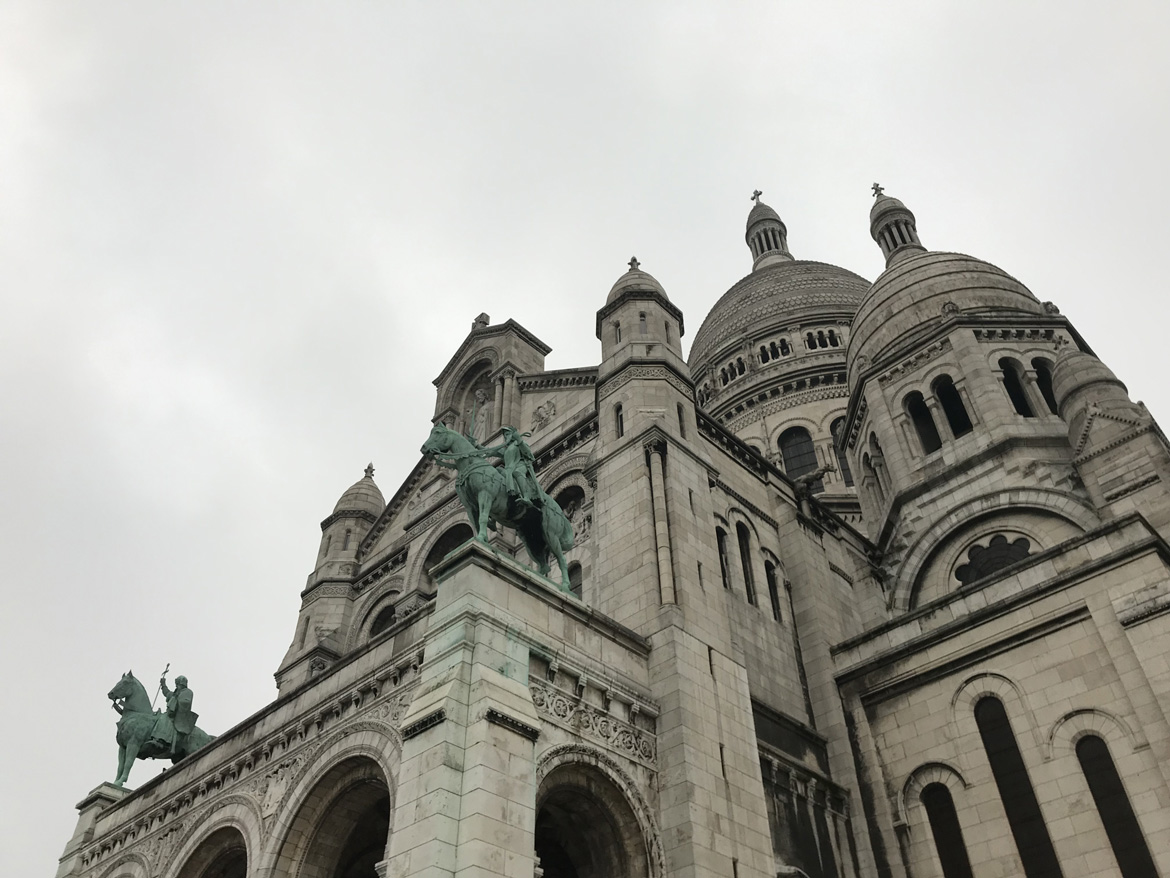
point(561, 378)
point(363, 514)
point(645, 369)
point(404, 492)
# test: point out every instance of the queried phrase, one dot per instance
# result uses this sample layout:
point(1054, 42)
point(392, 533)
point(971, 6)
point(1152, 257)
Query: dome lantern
point(892, 226)
point(766, 235)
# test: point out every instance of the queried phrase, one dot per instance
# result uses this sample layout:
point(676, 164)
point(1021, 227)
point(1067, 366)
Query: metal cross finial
point(634, 263)
point(756, 196)
point(877, 190)
point(370, 470)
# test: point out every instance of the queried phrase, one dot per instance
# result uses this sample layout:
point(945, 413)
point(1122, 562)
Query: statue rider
point(180, 719)
point(519, 474)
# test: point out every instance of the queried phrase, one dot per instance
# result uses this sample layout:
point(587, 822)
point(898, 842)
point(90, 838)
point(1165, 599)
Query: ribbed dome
point(761, 211)
point(1075, 370)
point(782, 293)
point(635, 279)
point(908, 299)
point(884, 204)
point(362, 496)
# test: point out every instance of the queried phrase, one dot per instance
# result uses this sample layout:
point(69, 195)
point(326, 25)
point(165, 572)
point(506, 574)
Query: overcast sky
point(239, 240)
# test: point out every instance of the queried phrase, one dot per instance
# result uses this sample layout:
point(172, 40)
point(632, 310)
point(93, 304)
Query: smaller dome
point(1075, 370)
point(362, 496)
point(760, 212)
point(884, 204)
point(635, 280)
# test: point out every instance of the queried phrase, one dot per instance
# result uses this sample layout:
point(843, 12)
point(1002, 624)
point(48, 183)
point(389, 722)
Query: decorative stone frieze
point(570, 712)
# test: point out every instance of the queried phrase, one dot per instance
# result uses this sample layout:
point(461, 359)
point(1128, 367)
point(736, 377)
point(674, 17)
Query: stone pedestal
point(465, 803)
point(89, 809)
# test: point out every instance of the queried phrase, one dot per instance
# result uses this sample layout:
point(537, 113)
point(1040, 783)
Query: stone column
point(498, 407)
point(508, 416)
point(654, 451)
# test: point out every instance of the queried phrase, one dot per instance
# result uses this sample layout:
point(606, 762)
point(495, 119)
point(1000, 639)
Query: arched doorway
point(222, 854)
point(342, 829)
point(585, 828)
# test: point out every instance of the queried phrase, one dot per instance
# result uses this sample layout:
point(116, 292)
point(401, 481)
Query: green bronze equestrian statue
point(510, 495)
point(146, 733)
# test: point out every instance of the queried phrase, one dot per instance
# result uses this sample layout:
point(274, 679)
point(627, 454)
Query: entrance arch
point(342, 828)
point(586, 828)
point(223, 854)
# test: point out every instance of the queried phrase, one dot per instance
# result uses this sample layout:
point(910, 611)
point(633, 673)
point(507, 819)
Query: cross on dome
point(877, 190)
point(756, 196)
point(634, 263)
point(370, 470)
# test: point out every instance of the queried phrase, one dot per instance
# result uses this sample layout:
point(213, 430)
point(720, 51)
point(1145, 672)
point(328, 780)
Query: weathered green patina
point(509, 496)
point(145, 733)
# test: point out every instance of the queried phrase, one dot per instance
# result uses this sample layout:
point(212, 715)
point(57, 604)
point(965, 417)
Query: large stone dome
point(920, 292)
point(783, 293)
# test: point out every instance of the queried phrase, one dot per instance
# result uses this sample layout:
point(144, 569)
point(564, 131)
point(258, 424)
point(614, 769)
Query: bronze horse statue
point(136, 728)
point(482, 488)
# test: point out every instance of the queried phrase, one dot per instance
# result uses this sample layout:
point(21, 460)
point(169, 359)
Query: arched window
point(617, 332)
point(739, 367)
point(348, 535)
point(838, 432)
point(721, 543)
point(1044, 382)
point(810, 341)
point(952, 405)
point(1014, 385)
point(745, 559)
point(763, 354)
point(774, 350)
point(785, 348)
point(800, 458)
point(1121, 826)
point(723, 376)
point(948, 835)
point(773, 589)
point(382, 621)
point(923, 422)
point(619, 421)
point(575, 578)
point(642, 323)
point(682, 421)
point(833, 341)
point(821, 341)
point(1033, 843)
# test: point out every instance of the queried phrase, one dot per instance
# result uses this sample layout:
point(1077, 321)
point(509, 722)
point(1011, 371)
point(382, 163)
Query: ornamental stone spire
point(766, 235)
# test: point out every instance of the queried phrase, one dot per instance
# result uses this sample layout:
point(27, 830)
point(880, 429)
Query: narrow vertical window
point(799, 455)
point(923, 422)
point(952, 405)
point(328, 543)
point(642, 323)
point(575, 578)
point(619, 420)
point(810, 341)
point(833, 339)
point(821, 341)
point(948, 835)
point(775, 350)
point(345, 545)
point(666, 330)
point(785, 349)
point(838, 432)
point(739, 367)
point(745, 560)
point(1121, 826)
point(1014, 385)
point(1044, 382)
point(721, 542)
point(773, 589)
point(763, 354)
point(617, 332)
point(682, 421)
point(1033, 843)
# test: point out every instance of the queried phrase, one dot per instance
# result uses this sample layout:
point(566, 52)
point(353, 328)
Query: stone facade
point(874, 584)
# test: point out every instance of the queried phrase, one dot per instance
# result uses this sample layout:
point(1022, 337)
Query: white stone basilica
point(875, 584)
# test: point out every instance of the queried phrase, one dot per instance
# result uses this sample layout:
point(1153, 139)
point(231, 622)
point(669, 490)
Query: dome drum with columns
point(874, 583)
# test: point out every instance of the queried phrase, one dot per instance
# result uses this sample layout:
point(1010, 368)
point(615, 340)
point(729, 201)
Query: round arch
point(337, 813)
point(1057, 503)
point(1074, 725)
point(229, 838)
point(132, 865)
point(591, 822)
